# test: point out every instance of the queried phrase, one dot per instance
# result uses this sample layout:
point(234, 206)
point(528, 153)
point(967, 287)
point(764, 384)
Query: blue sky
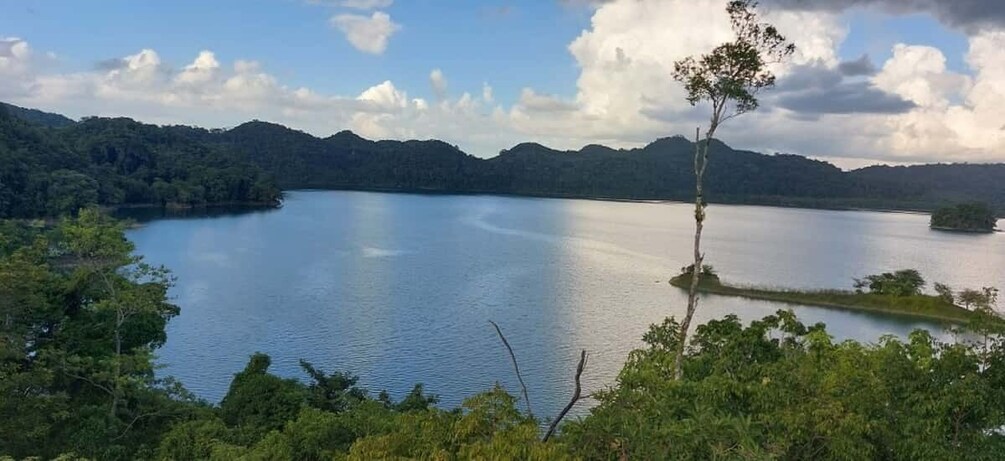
point(471, 41)
point(875, 35)
point(552, 65)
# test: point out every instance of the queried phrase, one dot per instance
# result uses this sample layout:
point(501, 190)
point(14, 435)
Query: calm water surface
point(399, 288)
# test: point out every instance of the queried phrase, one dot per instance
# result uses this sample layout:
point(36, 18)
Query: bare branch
point(516, 367)
point(731, 116)
point(89, 381)
point(130, 425)
point(575, 397)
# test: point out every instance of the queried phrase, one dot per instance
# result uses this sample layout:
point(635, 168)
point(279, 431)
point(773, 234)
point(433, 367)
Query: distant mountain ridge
point(661, 170)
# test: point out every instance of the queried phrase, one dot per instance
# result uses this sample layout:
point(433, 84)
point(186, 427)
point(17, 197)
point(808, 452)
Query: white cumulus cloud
point(384, 96)
point(13, 52)
point(958, 117)
point(439, 83)
point(203, 69)
point(369, 34)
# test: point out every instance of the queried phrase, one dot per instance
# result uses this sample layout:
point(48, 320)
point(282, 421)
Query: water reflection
point(399, 288)
point(147, 214)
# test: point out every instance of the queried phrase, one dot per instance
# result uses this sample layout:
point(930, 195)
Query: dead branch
point(516, 367)
point(89, 381)
point(575, 397)
point(137, 418)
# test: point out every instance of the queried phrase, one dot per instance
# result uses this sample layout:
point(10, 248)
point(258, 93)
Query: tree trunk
point(116, 389)
point(700, 160)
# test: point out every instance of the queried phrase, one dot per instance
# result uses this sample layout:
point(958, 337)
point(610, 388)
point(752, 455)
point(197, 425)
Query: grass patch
point(921, 306)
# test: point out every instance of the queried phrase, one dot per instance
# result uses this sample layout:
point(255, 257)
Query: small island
point(964, 217)
point(896, 293)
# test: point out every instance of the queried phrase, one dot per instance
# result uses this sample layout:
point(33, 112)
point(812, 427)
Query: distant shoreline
point(180, 207)
point(754, 203)
point(751, 203)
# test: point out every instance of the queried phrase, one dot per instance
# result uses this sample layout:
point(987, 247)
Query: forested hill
point(37, 117)
point(942, 183)
point(660, 170)
point(52, 170)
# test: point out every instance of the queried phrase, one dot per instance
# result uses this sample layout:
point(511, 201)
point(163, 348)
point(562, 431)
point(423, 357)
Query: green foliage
point(777, 389)
point(56, 171)
point(707, 273)
point(81, 318)
point(416, 400)
point(259, 402)
point(36, 116)
point(706, 270)
point(490, 427)
point(69, 191)
point(918, 305)
point(194, 439)
point(985, 299)
point(945, 292)
point(335, 392)
point(905, 282)
point(973, 216)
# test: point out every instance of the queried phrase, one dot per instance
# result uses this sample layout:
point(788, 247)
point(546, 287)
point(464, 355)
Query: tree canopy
point(973, 216)
point(778, 389)
point(905, 282)
point(52, 171)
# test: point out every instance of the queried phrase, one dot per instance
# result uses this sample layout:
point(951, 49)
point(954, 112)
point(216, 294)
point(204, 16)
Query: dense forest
point(82, 317)
point(51, 168)
point(119, 161)
point(661, 170)
point(37, 117)
point(971, 217)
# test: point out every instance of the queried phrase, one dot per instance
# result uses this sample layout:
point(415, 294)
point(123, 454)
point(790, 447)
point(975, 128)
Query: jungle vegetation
point(117, 161)
point(970, 217)
point(51, 171)
point(898, 293)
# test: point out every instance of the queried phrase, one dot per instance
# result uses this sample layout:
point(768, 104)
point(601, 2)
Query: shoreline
point(767, 203)
point(178, 207)
point(835, 299)
point(964, 231)
point(751, 203)
point(132, 221)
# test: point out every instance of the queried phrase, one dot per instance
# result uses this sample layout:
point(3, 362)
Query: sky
point(872, 81)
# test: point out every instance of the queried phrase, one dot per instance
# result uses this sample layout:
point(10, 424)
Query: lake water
point(400, 288)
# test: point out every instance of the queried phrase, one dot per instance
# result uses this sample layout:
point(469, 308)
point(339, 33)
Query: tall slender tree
point(729, 78)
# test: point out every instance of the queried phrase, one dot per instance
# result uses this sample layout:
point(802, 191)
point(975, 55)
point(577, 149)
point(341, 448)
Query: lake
point(400, 288)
